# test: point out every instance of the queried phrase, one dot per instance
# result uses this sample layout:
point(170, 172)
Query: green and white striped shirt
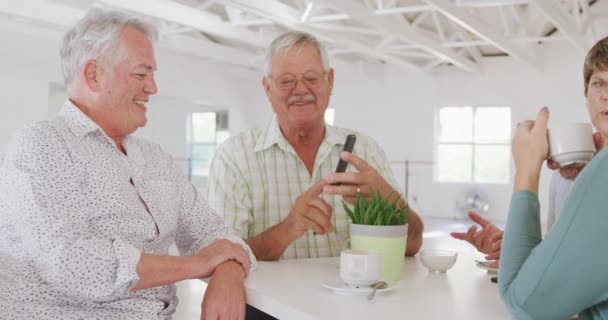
point(256, 177)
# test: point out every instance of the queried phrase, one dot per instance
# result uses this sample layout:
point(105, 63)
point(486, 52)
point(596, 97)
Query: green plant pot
point(388, 241)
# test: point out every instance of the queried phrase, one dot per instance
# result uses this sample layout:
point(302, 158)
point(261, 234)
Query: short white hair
point(289, 39)
point(97, 36)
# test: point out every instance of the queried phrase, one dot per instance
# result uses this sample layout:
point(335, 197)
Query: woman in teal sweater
point(567, 272)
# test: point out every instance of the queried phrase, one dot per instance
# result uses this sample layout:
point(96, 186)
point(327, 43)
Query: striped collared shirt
point(256, 177)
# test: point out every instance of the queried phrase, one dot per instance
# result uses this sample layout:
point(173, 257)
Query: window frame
point(192, 143)
point(472, 144)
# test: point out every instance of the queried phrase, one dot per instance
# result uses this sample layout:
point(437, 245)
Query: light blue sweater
point(567, 272)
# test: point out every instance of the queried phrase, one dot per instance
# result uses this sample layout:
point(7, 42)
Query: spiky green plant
point(377, 211)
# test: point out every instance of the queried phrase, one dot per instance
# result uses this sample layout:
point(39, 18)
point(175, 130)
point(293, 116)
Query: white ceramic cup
point(571, 144)
point(360, 267)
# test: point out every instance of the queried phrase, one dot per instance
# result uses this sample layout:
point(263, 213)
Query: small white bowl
point(438, 261)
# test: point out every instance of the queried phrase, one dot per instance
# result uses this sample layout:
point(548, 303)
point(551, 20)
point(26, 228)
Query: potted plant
point(380, 225)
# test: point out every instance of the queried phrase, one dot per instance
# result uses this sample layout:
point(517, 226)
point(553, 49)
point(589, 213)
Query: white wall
point(395, 106)
point(404, 105)
point(24, 78)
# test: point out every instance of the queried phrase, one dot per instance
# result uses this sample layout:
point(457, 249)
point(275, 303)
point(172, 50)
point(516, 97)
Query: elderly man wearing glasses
point(276, 185)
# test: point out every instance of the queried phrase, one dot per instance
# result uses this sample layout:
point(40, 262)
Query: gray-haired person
point(274, 184)
point(88, 212)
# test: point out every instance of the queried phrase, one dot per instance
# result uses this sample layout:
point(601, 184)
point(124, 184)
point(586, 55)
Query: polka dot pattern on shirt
point(76, 214)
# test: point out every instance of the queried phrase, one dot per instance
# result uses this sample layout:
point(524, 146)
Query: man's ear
point(91, 73)
point(266, 86)
point(330, 80)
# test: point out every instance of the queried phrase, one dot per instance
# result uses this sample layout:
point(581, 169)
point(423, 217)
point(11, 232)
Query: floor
point(436, 236)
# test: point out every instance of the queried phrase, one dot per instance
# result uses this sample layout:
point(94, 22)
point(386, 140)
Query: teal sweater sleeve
point(567, 272)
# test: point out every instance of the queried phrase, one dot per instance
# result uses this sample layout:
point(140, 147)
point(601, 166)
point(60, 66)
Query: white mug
point(360, 267)
point(571, 144)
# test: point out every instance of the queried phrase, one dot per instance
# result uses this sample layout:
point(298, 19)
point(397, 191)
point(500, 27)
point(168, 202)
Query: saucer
point(338, 286)
point(486, 265)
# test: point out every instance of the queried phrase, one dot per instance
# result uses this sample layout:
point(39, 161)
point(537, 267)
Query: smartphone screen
point(349, 144)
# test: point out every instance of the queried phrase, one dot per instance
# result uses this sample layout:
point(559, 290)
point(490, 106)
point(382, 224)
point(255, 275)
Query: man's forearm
point(414, 234)
point(270, 244)
point(414, 228)
point(232, 268)
point(225, 295)
point(156, 270)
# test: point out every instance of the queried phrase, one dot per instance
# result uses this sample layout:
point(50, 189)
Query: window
point(208, 130)
point(474, 145)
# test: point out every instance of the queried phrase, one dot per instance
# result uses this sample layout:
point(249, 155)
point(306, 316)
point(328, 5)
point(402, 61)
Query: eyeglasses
point(312, 80)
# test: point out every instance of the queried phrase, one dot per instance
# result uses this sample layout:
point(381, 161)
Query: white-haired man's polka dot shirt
point(76, 214)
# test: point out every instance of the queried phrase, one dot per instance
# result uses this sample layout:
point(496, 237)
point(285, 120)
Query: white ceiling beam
point(419, 18)
point(307, 11)
point(65, 17)
point(385, 42)
point(400, 29)
point(561, 22)
point(414, 54)
point(174, 30)
point(475, 43)
point(344, 28)
point(290, 18)
point(490, 3)
point(187, 16)
point(330, 17)
point(438, 25)
point(404, 9)
point(341, 16)
point(23, 26)
point(476, 26)
point(252, 22)
point(45, 11)
point(472, 50)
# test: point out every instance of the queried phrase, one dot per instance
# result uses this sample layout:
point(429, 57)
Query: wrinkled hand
point(572, 171)
point(361, 181)
point(488, 240)
point(218, 252)
point(225, 294)
point(310, 212)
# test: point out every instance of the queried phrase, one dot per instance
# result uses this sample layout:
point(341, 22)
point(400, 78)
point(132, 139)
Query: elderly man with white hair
point(276, 184)
point(88, 212)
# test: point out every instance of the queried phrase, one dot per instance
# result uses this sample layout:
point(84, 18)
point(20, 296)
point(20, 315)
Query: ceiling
point(422, 35)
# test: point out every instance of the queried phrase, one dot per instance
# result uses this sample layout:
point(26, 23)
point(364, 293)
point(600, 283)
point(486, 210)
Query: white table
point(291, 290)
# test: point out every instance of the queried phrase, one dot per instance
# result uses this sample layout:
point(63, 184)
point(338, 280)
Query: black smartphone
point(349, 144)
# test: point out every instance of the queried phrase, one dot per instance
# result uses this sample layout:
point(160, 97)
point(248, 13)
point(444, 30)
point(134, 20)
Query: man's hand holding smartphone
point(349, 145)
point(350, 184)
